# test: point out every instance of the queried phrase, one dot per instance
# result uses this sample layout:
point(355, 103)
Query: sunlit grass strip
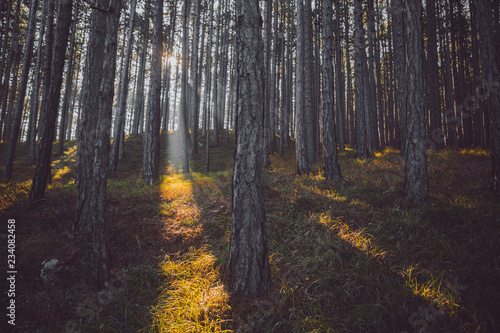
point(13, 192)
point(193, 298)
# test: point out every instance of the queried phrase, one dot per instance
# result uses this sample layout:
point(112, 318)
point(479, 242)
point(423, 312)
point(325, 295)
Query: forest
point(250, 165)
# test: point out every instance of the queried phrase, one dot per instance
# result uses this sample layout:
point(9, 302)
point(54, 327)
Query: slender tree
point(268, 14)
point(35, 92)
point(300, 106)
point(195, 96)
point(9, 64)
point(416, 182)
point(339, 78)
point(27, 55)
point(184, 110)
point(433, 102)
point(120, 128)
point(249, 271)
point(477, 107)
point(332, 167)
point(69, 84)
point(492, 78)
point(137, 124)
point(362, 111)
point(151, 153)
point(43, 163)
point(312, 112)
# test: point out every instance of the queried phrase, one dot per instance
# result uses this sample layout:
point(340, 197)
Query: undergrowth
point(351, 255)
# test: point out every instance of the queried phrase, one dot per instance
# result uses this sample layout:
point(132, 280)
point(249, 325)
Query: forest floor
point(346, 256)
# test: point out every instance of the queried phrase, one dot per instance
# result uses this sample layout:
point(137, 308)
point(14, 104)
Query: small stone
point(50, 270)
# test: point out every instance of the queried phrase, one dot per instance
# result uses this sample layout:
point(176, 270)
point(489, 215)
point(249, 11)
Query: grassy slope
point(350, 255)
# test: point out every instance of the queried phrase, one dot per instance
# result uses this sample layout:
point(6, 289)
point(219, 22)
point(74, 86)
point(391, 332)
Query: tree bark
point(28, 50)
point(311, 118)
point(119, 132)
point(94, 143)
point(268, 14)
point(137, 124)
point(35, 93)
point(3, 50)
point(478, 106)
point(249, 271)
point(69, 86)
point(215, 86)
point(43, 164)
point(184, 110)
point(332, 167)
point(349, 99)
point(416, 183)
point(195, 96)
point(13, 54)
point(360, 74)
point(398, 29)
point(300, 110)
point(491, 74)
point(151, 154)
point(433, 75)
point(339, 79)
point(372, 84)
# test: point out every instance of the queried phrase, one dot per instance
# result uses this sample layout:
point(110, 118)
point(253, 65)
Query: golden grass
point(193, 297)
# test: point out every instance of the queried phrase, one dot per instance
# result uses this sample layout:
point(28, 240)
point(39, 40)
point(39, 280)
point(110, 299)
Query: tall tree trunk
point(390, 93)
point(332, 167)
point(362, 111)
point(215, 86)
point(311, 118)
point(249, 271)
point(151, 154)
point(208, 89)
point(372, 75)
point(94, 143)
point(28, 50)
point(35, 93)
point(339, 78)
point(456, 121)
point(184, 110)
point(119, 132)
point(491, 73)
point(69, 85)
point(349, 99)
point(73, 103)
point(416, 183)
point(195, 96)
point(300, 106)
point(3, 50)
point(398, 29)
point(137, 124)
point(284, 79)
point(273, 92)
point(43, 163)
point(450, 114)
point(378, 77)
point(433, 75)
point(268, 14)
point(13, 54)
point(477, 107)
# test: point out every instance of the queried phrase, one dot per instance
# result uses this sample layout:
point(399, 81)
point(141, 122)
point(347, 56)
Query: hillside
point(346, 256)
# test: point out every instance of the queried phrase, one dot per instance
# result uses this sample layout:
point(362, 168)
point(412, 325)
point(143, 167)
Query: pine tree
point(249, 271)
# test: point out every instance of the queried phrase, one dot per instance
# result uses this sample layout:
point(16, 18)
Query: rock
point(50, 270)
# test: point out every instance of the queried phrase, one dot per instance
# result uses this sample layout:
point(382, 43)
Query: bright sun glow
point(172, 60)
